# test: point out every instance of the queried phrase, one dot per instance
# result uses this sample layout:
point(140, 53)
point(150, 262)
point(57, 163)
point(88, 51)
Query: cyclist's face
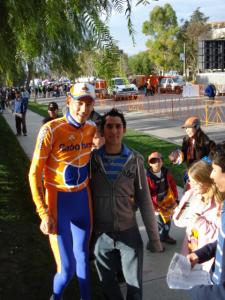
point(80, 109)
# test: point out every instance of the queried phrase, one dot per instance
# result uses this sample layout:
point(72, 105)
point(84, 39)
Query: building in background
point(211, 55)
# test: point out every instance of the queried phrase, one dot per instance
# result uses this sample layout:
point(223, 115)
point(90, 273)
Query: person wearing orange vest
point(62, 152)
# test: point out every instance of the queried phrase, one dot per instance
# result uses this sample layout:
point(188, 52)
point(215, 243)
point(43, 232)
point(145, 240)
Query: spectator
point(98, 139)
point(63, 151)
point(25, 99)
point(210, 91)
point(44, 91)
point(2, 99)
point(149, 90)
point(119, 186)
point(199, 210)
point(216, 249)
point(52, 112)
point(19, 110)
point(196, 144)
point(25, 96)
point(164, 195)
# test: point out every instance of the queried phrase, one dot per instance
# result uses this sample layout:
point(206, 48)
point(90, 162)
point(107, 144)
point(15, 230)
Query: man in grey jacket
point(119, 187)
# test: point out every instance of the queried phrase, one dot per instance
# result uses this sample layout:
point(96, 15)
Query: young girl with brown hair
point(199, 210)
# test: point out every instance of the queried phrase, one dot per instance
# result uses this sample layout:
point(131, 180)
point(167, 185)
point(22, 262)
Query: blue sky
point(214, 9)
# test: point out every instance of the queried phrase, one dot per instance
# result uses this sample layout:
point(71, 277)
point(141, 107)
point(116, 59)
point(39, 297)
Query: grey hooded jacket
point(115, 203)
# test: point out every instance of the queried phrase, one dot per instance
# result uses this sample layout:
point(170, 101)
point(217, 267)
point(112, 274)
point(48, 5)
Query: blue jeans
point(163, 228)
point(130, 246)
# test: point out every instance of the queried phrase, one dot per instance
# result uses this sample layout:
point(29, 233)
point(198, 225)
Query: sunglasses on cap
point(81, 98)
point(154, 160)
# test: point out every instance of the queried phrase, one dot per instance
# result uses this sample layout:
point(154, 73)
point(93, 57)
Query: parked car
point(171, 85)
point(119, 86)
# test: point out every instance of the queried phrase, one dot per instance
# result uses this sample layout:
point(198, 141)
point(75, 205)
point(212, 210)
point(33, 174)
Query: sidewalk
point(156, 264)
point(34, 122)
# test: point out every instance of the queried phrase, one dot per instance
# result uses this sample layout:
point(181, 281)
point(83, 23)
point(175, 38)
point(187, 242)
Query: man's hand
point(160, 248)
point(18, 115)
point(193, 259)
point(48, 225)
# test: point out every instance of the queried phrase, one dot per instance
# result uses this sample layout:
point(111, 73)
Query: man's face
point(113, 130)
point(17, 96)
point(80, 109)
point(53, 113)
point(219, 177)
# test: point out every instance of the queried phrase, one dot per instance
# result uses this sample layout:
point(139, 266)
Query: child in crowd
point(164, 195)
point(199, 210)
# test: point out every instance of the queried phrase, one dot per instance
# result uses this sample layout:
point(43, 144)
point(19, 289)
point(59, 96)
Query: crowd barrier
point(171, 106)
point(174, 107)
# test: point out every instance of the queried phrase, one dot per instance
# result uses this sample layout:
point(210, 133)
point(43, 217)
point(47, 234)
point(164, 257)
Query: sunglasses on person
point(154, 160)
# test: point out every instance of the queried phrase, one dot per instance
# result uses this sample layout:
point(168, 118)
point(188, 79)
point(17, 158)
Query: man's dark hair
point(217, 155)
point(97, 118)
point(113, 113)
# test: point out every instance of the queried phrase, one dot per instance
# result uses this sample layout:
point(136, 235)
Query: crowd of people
point(87, 186)
point(8, 94)
point(50, 90)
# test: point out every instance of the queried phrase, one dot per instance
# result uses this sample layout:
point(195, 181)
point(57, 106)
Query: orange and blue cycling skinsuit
point(63, 151)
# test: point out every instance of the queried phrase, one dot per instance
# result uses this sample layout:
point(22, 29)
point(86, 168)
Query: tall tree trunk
point(30, 72)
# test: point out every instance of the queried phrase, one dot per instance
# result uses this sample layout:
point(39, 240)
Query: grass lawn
point(41, 109)
point(26, 262)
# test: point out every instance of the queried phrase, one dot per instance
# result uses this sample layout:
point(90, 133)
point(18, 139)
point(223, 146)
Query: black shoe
point(18, 134)
point(169, 240)
point(25, 134)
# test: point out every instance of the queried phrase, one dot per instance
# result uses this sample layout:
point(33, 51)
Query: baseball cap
point(191, 122)
point(52, 106)
point(82, 90)
point(154, 155)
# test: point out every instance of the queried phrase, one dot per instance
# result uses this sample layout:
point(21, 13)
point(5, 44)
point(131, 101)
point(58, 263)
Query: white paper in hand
point(181, 276)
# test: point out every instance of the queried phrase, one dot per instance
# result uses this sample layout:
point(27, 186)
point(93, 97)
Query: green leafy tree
point(103, 63)
point(107, 63)
point(164, 47)
point(190, 32)
point(50, 34)
point(140, 63)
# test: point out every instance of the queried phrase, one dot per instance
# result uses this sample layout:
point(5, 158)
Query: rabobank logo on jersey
point(72, 147)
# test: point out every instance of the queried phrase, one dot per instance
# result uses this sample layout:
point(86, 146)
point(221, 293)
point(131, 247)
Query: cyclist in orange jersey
point(62, 152)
